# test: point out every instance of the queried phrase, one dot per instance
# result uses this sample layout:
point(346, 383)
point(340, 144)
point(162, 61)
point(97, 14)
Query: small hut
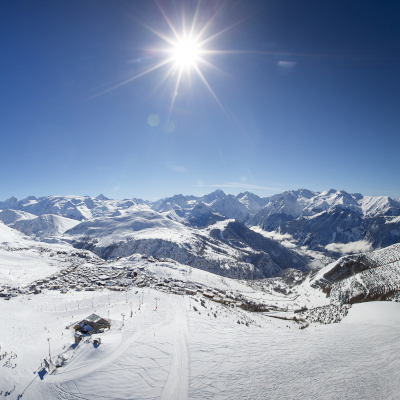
point(93, 323)
point(78, 337)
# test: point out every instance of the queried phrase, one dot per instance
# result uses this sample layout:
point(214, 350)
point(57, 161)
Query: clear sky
point(306, 95)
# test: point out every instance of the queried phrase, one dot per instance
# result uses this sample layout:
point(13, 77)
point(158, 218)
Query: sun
point(186, 52)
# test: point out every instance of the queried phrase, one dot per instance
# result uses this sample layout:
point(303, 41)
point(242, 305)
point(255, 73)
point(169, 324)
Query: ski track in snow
point(336, 364)
point(175, 352)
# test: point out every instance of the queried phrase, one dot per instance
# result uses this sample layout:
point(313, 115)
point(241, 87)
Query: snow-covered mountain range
point(316, 220)
point(184, 227)
point(139, 229)
point(142, 230)
point(74, 207)
point(196, 300)
point(245, 207)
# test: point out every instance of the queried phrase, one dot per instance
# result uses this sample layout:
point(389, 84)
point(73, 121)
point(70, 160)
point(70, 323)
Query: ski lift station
point(92, 324)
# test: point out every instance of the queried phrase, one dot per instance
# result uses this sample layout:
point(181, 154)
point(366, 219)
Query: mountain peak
point(12, 199)
point(328, 192)
point(102, 197)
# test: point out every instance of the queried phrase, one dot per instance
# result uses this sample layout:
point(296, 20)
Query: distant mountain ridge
point(313, 219)
point(239, 207)
point(74, 207)
point(316, 220)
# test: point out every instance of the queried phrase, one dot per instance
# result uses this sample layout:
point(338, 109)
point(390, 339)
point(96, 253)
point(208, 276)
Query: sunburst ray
point(159, 65)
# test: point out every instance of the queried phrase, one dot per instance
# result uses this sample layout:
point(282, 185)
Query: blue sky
point(311, 99)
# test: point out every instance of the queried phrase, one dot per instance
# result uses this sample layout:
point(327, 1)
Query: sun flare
point(186, 52)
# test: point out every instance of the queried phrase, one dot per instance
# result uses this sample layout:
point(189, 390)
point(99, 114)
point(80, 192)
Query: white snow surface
point(46, 225)
point(11, 216)
point(138, 221)
point(10, 237)
point(175, 352)
point(22, 259)
point(375, 206)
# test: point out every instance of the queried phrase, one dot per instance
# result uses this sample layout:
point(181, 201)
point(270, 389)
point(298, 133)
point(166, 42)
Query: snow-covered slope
point(252, 202)
point(177, 202)
point(379, 206)
point(329, 200)
point(213, 196)
point(231, 207)
point(9, 217)
point(293, 204)
point(193, 348)
point(141, 230)
point(219, 203)
point(46, 225)
point(202, 215)
point(10, 237)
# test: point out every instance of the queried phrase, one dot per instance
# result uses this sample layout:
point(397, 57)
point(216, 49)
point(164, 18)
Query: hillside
point(10, 217)
point(46, 225)
point(363, 277)
point(140, 230)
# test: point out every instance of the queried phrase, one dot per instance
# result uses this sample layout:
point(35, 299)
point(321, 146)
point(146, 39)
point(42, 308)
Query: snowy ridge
point(10, 237)
point(306, 203)
point(376, 206)
point(73, 207)
point(216, 205)
point(200, 216)
point(9, 217)
point(252, 202)
point(46, 225)
point(293, 203)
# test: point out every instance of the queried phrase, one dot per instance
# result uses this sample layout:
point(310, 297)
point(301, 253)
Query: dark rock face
point(363, 277)
point(349, 267)
point(239, 236)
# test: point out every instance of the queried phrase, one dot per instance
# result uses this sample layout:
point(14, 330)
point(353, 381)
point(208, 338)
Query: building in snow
point(78, 337)
point(92, 324)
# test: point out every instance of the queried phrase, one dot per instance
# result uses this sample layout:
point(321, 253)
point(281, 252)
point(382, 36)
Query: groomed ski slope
point(175, 352)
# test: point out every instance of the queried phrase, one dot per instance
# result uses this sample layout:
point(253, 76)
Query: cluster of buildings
point(120, 277)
